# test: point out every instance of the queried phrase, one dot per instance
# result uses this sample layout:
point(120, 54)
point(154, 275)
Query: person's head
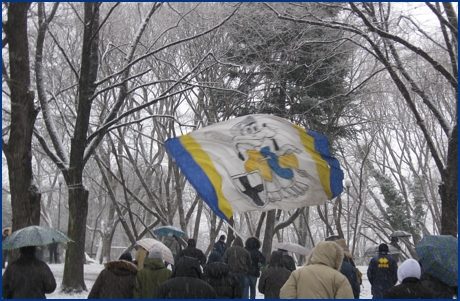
point(409, 268)
point(28, 251)
point(276, 259)
point(238, 242)
point(155, 253)
point(187, 267)
point(191, 243)
point(252, 243)
point(6, 231)
point(214, 257)
point(126, 257)
point(222, 238)
point(383, 248)
point(327, 253)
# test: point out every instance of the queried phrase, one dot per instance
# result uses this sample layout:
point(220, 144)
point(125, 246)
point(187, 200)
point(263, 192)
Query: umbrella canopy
point(374, 251)
point(439, 257)
point(33, 236)
point(291, 247)
point(165, 230)
point(148, 243)
point(400, 233)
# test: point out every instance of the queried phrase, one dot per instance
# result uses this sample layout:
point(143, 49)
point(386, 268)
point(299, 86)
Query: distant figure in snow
point(382, 272)
point(220, 246)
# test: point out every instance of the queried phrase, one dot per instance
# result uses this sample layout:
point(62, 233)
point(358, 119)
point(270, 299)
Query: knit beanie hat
point(126, 256)
point(383, 248)
point(222, 237)
point(409, 268)
point(155, 253)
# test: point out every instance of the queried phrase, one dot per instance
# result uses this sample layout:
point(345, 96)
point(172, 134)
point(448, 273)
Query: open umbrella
point(374, 251)
point(291, 247)
point(400, 233)
point(165, 230)
point(438, 255)
point(33, 236)
point(148, 243)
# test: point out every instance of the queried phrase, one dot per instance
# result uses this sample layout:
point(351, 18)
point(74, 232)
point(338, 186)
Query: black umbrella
point(400, 233)
point(374, 251)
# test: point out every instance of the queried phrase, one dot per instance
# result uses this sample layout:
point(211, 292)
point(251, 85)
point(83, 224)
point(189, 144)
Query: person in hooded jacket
point(239, 261)
point(382, 272)
point(217, 274)
point(116, 281)
point(320, 277)
point(252, 244)
point(185, 282)
point(273, 278)
point(410, 287)
point(348, 270)
point(288, 261)
point(172, 242)
point(27, 277)
point(151, 276)
point(192, 251)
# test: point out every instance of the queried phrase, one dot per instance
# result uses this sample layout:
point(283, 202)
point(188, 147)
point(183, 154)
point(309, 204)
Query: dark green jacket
point(150, 277)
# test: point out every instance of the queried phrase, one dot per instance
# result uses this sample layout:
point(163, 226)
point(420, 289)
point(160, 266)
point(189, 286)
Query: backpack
point(360, 276)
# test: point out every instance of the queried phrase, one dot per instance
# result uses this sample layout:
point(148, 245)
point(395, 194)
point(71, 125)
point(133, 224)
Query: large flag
point(257, 162)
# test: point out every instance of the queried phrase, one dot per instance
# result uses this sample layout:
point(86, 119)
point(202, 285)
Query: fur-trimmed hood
point(252, 243)
point(121, 267)
point(328, 253)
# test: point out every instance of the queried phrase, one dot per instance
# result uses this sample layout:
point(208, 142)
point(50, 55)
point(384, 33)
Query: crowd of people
point(233, 272)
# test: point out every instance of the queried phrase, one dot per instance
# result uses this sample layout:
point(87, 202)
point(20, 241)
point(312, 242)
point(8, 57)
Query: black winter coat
point(410, 288)
point(116, 281)
point(382, 273)
point(273, 278)
point(349, 271)
point(192, 251)
point(226, 285)
point(220, 247)
point(289, 262)
point(252, 245)
point(237, 257)
point(185, 283)
point(27, 278)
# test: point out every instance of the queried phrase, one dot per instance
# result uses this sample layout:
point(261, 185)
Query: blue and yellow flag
point(257, 163)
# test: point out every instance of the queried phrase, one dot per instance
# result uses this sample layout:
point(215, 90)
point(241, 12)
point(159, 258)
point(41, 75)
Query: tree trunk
point(25, 196)
point(269, 233)
point(449, 189)
point(73, 280)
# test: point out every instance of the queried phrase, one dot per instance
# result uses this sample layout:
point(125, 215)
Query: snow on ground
point(91, 272)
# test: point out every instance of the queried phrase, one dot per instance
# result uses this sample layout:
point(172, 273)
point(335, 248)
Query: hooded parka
point(116, 281)
point(185, 282)
point(150, 277)
point(320, 277)
point(237, 257)
point(252, 244)
point(272, 279)
point(217, 274)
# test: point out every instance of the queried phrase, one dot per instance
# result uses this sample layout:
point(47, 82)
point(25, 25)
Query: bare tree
point(375, 24)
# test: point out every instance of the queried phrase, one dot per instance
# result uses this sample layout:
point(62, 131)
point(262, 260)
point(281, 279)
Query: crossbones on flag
point(257, 163)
